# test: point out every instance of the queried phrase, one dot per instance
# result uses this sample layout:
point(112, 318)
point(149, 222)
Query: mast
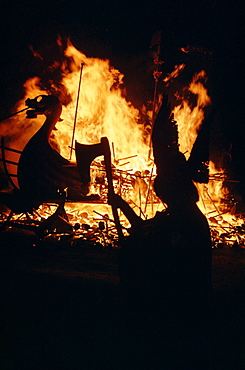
point(75, 118)
point(156, 42)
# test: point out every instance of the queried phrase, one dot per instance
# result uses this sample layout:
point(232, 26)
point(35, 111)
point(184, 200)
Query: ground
point(63, 309)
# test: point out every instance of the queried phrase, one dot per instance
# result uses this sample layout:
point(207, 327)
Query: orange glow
point(174, 74)
point(104, 111)
point(190, 118)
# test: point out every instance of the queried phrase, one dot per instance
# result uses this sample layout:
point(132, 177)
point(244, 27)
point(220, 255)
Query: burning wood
point(101, 111)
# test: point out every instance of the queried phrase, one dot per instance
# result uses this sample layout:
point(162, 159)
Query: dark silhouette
point(165, 264)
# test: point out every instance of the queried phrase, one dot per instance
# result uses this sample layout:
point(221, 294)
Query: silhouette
point(165, 264)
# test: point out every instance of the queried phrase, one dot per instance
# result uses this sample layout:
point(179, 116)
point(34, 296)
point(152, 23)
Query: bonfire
point(94, 105)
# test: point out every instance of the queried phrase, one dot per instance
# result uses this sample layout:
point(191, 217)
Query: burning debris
point(96, 94)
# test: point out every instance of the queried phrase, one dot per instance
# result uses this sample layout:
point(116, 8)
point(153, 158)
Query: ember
point(103, 111)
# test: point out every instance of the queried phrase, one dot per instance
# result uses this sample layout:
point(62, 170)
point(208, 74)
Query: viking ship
point(42, 172)
point(45, 176)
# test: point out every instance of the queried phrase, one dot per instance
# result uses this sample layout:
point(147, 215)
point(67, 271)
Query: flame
point(103, 110)
point(174, 74)
point(217, 203)
point(190, 118)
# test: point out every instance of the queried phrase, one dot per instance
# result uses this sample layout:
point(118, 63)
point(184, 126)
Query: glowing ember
point(174, 74)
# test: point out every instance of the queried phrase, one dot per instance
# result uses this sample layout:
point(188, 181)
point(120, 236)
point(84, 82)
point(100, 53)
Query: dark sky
point(122, 32)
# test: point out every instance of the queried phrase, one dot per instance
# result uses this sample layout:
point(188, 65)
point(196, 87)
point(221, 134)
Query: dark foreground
point(62, 308)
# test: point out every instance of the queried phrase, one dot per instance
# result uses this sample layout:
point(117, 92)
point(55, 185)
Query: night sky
point(122, 32)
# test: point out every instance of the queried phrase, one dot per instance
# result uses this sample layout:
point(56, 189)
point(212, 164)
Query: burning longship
point(102, 111)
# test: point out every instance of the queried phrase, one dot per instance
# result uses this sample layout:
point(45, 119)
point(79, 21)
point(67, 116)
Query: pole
point(14, 114)
point(75, 118)
point(107, 156)
point(148, 190)
point(156, 74)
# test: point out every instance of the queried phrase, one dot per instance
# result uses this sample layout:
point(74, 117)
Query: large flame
point(190, 118)
point(103, 110)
